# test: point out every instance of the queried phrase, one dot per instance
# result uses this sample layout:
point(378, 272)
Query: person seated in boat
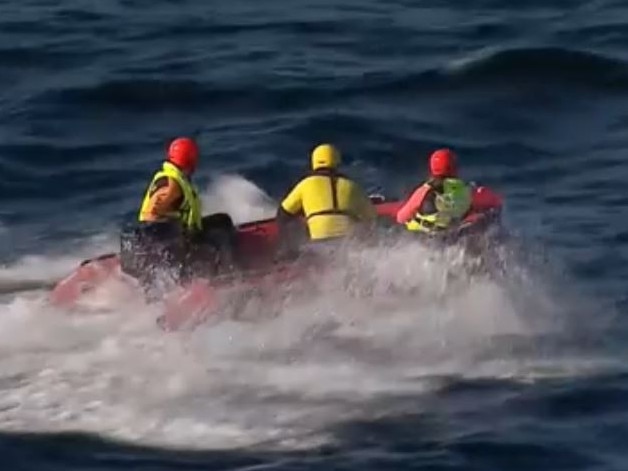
point(440, 202)
point(170, 231)
point(332, 204)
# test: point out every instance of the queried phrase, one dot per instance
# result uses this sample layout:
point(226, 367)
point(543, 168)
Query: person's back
point(331, 202)
point(171, 200)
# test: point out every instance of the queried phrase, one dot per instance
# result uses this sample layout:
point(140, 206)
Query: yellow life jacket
point(189, 212)
point(330, 202)
point(452, 205)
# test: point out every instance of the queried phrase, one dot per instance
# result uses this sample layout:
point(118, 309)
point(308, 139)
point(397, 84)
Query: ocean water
point(524, 372)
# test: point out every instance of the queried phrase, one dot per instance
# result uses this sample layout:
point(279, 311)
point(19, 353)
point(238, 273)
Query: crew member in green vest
point(170, 232)
point(171, 197)
point(442, 201)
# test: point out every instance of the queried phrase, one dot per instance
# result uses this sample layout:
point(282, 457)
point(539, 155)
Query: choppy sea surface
point(524, 372)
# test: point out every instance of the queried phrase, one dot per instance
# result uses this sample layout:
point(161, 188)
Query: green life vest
point(189, 213)
point(452, 204)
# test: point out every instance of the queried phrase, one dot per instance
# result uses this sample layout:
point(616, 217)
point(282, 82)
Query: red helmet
point(443, 163)
point(183, 152)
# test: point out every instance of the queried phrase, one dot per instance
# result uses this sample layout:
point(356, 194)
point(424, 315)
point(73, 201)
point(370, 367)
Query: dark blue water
point(533, 96)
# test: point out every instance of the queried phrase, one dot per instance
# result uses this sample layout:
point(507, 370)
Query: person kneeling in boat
point(171, 232)
point(441, 202)
point(332, 204)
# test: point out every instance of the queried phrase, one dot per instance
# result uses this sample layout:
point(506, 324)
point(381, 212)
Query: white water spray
point(387, 322)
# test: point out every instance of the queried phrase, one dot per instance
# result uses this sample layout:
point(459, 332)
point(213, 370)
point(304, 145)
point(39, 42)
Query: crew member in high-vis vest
point(170, 233)
point(171, 196)
point(169, 221)
point(331, 203)
point(442, 201)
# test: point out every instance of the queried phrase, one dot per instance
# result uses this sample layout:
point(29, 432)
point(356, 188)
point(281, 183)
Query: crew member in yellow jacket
point(331, 203)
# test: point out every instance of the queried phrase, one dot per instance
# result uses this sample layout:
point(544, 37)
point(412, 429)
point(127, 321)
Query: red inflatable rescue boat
point(256, 245)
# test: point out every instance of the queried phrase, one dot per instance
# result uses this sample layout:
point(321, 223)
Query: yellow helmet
point(325, 156)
